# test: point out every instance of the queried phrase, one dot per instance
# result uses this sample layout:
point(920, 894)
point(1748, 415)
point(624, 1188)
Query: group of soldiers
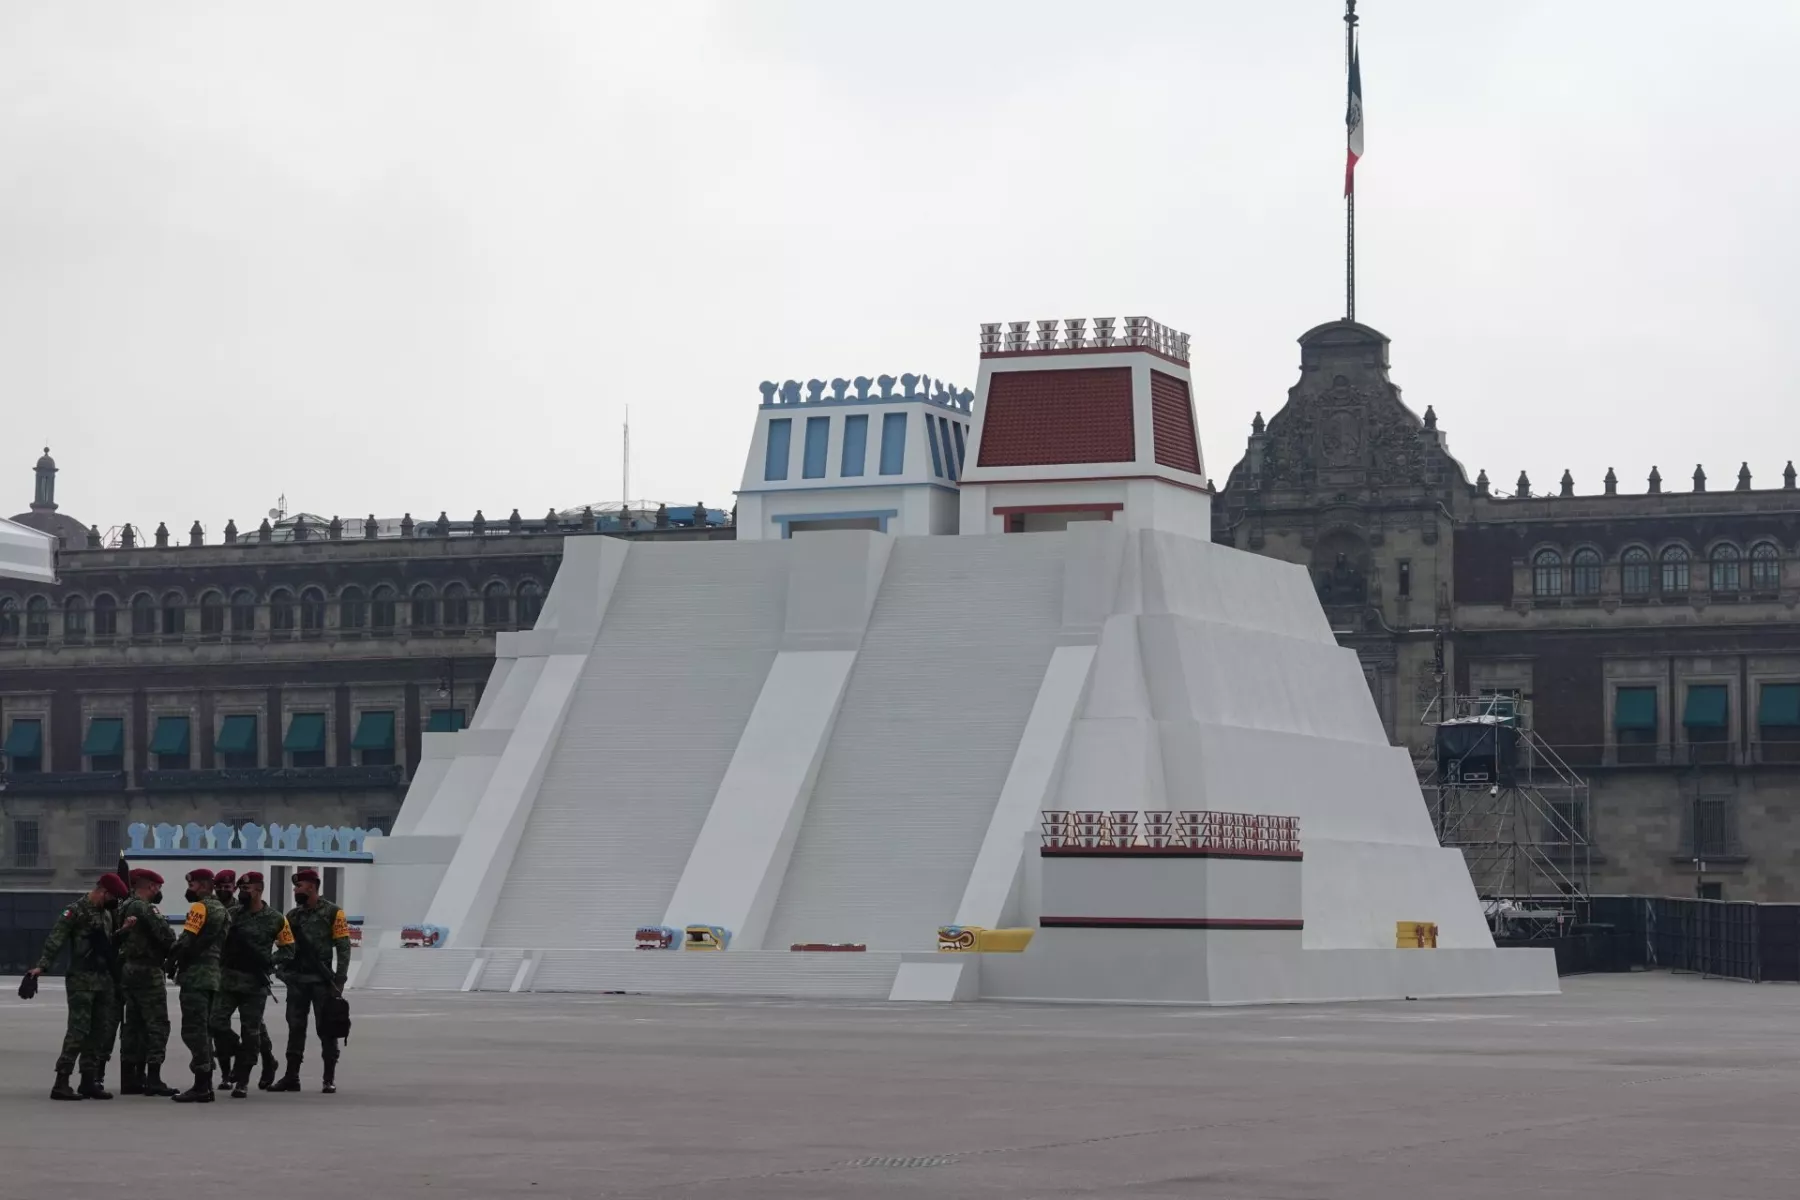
point(121, 948)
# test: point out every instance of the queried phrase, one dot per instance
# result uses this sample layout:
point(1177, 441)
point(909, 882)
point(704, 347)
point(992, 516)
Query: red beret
point(306, 875)
point(199, 873)
point(251, 877)
point(113, 885)
point(225, 878)
point(145, 874)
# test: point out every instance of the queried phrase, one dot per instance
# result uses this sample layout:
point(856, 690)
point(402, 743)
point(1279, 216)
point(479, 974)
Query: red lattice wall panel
point(1172, 419)
point(1040, 418)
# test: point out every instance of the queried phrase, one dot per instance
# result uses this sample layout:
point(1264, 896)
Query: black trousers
point(307, 998)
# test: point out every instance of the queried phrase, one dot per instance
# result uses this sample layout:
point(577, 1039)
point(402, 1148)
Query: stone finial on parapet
point(515, 522)
point(1522, 490)
point(252, 836)
point(862, 384)
point(662, 516)
point(910, 382)
point(1566, 487)
point(127, 538)
point(1655, 481)
point(162, 535)
point(192, 836)
point(1743, 483)
point(1699, 478)
point(839, 388)
point(886, 384)
point(790, 392)
point(1257, 424)
point(137, 831)
point(196, 535)
point(1612, 482)
point(768, 388)
point(265, 532)
point(443, 523)
point(165, 836)
point(231, 533)
point(1787, 476)
point(218, 836)
point(93, 537)
point(371, 528)
point(1430, 417)
point(1482, 486)
point(815, 390)
point(335, 530)
point(478, 526)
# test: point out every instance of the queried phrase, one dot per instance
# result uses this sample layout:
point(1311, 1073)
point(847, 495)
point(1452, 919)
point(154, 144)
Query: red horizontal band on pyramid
point(1267, 923)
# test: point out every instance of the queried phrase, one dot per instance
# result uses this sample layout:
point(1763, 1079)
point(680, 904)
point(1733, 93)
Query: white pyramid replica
point(848, 729)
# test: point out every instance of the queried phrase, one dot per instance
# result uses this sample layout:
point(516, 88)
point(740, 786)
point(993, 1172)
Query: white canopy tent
point(26, 554)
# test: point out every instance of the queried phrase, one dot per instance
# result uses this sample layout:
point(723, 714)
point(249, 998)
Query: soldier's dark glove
point(340, 980)
point(28, 987)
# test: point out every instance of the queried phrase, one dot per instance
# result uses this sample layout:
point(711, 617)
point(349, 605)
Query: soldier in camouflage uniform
point(256, 929)
point(325, 930)
point(144, 1036)
point(86, 926)
point(196, 957)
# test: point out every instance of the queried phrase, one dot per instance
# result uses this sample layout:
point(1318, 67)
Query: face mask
point(243, 895)
point(112, 902)
point(193, 897)
point(299, 897)
point(156, 897)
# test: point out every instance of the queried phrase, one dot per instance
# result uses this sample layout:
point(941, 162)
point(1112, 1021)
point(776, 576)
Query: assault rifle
point(334, 1014)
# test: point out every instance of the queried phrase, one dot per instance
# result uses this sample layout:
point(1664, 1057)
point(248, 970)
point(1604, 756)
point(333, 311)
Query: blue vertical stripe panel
point(818, 436)
point(961, 458)
point(937, 463)
point(949, 449)
point(893, 443)
point(856, 445)
point(781, 437)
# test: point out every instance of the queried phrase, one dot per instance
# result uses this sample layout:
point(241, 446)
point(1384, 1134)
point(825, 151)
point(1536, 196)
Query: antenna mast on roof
point(625, 513)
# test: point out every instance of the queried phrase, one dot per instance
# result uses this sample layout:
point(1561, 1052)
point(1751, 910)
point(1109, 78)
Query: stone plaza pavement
point(1639, 1087)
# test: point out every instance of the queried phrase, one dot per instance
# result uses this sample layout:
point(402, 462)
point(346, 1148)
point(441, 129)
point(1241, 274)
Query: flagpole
point(1349, 192)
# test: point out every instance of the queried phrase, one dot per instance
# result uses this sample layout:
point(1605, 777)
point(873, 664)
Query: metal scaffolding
point(1519, 814)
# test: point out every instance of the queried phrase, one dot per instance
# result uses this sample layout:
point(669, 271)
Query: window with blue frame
point(781, 437)
point(856, 445)
point(893, 443)
point(937, 462)
point(818, 436)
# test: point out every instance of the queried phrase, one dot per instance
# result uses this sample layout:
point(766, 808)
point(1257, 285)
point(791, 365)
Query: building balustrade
point(61, 783)
point(274, 778)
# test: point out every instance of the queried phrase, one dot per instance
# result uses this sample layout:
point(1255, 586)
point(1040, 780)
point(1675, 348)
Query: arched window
point(174, 614)
point(496, 606)
point(353, 611)
point(75, 619)
point(424, 607)
point(9, 619)
point(281, 612)
point(1586, 563)
point(106, 617)
point(212, 615)
point(243, 613)
point(1634, 574)
point(312, 612)
point(1675, 571)
point(143, 616)
point(1765, 567)
point(37, 619)
point(456, 606)
point(531, 603)
point(1727, 573)
point(381, 609)
point(1546, 573)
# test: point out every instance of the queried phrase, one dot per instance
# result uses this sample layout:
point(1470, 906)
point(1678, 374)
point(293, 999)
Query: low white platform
point(747, 973)
point(1105, 966)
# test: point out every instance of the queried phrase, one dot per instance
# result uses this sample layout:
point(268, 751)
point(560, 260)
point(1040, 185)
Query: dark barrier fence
point(1727, 939)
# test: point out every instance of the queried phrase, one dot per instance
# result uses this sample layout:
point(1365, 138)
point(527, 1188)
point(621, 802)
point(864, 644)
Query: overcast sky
point(420, 256)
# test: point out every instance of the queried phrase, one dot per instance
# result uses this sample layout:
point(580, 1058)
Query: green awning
point(105, 737)
point(374, 731)
point(1705, 706)
point(237, 735)
point(1636, 709)
point(444, 720)
point(25, 739)
point(171, 736)
point(306, 731)
point(1780, 705)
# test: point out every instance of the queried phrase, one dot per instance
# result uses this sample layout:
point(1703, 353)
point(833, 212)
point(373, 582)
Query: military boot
point(289, 1082)
point(131, 1079)
point(328, 1084)
point(92, 1088)
point(201, 1092)
point(153, 1083)
point(240, 1082)
point(267, 1080)
point(62, 1090)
